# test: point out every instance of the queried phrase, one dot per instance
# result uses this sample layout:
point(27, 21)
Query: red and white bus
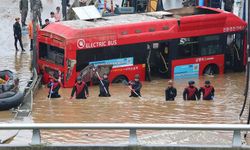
point(177, 43)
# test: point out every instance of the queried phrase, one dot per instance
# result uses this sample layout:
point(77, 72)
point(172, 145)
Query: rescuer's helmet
point(56, 76)
point(79, 78)
point(191, 82)
point(207, 82)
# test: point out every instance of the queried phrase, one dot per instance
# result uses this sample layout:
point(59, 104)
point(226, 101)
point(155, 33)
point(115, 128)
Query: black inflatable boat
point(10, 96)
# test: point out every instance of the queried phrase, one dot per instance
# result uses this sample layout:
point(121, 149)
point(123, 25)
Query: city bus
point(177, 43)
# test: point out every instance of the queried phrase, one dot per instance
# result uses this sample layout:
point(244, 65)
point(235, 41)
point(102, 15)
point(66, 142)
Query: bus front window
point(52, 54)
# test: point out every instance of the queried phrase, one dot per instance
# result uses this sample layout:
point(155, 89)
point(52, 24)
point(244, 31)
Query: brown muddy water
point(152, 109)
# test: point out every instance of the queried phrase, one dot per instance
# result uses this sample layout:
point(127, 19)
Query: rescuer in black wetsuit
point(170, 92)
point(81, 89)
point(136, 87)
point(207, 91)
point(54, 87)
point(191, 92)
point(104, 86)
point(18, 34)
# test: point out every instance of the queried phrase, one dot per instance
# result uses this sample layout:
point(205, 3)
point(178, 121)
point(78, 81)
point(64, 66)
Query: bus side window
point(210, 45)
point(188, 47)
point(239, 41)
point(51, 53)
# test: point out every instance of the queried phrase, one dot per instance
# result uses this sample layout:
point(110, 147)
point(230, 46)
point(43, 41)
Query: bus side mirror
point(70, 65)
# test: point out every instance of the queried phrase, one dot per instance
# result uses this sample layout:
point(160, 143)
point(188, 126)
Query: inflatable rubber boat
point(10, 96)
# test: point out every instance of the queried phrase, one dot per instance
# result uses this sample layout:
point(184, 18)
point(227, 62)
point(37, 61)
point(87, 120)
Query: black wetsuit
point(102, 90)
point(81, 90)
point(170, 93)
point(54, 87)
point(136, 86)
point(18, 35)
point(191, 93)
point(207, 92)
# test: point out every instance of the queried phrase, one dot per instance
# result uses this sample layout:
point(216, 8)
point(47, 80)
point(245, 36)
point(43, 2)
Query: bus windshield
point(51, 53)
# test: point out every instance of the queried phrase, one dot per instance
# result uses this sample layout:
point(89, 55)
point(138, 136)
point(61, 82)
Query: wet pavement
point(119, 108)
point(9, 59)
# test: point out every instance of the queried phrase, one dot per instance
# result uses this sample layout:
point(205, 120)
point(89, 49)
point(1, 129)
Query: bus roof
point(206, 17)
point(118, 20)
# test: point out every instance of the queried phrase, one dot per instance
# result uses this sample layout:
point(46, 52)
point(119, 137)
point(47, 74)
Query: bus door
point(158, 59)
point(234, 52)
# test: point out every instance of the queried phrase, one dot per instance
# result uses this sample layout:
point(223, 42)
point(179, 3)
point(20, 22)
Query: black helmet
point(191, 82)
point(56, 76)
point(137, 76)
point(79, 78)
point(207, 82)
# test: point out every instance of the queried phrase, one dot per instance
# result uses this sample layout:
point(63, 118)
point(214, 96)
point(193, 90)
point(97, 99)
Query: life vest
point(55, 84)
point(191, 92)
point(207, 91)
point(79, 87)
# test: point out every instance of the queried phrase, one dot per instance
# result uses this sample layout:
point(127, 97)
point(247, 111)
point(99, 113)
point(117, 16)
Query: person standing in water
point(80, 90)
point(135, 87)
point(170, 92)
point(207, 91)
point(104, 86)
point(54, 87)
point(191, 92)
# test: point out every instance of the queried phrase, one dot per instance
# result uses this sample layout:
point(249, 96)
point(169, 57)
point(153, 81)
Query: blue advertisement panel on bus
point(120, 62)
point(186, 71)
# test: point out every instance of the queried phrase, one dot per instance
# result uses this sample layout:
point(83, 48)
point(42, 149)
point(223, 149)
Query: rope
point(165, 64)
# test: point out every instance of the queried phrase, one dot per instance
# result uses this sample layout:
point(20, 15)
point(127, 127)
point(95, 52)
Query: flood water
point(120, 108)
point(152, 109)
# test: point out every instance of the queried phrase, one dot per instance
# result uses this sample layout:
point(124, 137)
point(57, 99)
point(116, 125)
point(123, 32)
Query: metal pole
point(36, 137)
point(236, 139)
point(248, 51)
point(133, 137)
point(34, 13)
point(248, 63)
